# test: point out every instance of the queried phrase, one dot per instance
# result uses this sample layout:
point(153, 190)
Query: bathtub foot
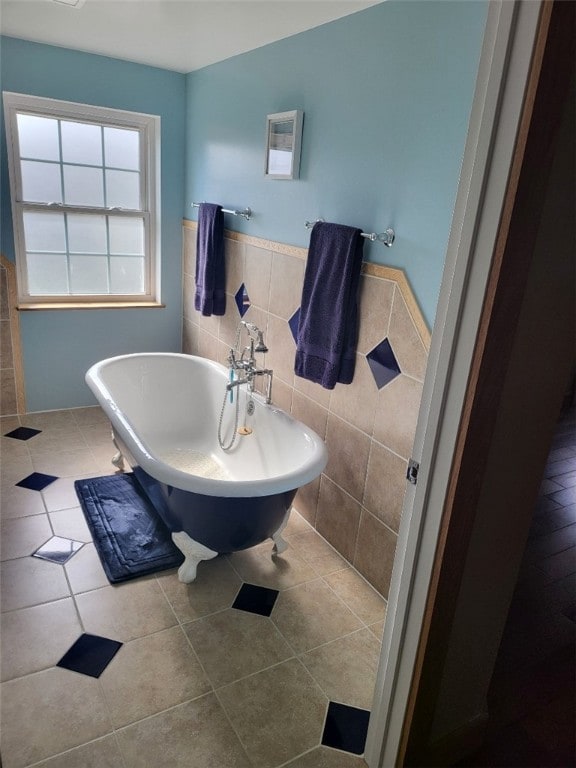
point(280, 544)
point(118, 459)
point(194, 553)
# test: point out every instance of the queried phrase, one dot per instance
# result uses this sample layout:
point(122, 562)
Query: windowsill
point(90, 305)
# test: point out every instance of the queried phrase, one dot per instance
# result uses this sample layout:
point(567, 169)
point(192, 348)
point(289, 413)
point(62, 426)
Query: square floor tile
point(90, 655)
point(345, 728)
point(37, 481)
point(255, 599)
point(277, 713)
point(23, 433)
point(58, 549)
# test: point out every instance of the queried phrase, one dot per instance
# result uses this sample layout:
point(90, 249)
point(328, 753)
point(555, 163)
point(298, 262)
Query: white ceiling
point(182, 35)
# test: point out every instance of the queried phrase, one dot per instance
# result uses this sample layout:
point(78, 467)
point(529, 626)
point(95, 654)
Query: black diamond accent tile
point(294, 323)
point(255, 599)
point(383, 364)
point(90, 655)
point(242, 300)
point(345, 728)
point(23, 433)
point(58, 549)
point(36, 481)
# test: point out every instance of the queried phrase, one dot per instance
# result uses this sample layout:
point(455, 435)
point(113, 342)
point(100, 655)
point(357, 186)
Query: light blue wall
point(59, 346)
point(386, 94)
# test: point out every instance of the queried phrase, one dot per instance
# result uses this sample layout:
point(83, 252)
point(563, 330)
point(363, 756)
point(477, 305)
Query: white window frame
point(148, 127)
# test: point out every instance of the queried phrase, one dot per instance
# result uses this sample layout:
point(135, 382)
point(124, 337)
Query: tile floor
point(191, 681)
point(532, 699)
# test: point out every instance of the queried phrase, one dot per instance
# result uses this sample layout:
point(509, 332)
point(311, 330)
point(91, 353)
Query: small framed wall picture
point(283, 142)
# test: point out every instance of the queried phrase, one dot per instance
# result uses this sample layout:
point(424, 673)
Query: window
point(85, 202)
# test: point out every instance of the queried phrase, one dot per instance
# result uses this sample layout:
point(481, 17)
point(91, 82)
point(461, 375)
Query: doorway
point(504, 429)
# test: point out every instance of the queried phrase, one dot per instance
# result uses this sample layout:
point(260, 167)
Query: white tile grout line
point(73, 749)
point(215, 689)
point(181, 624)
point(348, 564)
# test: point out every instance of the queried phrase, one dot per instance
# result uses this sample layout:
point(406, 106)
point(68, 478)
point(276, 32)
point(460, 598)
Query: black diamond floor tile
point(345, 728)
point(58, 549)
point(90, 655)
point(23, 433)
point(36, 481)
point(255, 599)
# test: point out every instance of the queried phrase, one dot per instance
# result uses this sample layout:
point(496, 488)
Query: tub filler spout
point(249, 380)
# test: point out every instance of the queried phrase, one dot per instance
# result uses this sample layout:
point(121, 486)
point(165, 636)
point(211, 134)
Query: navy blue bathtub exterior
point(223, 524)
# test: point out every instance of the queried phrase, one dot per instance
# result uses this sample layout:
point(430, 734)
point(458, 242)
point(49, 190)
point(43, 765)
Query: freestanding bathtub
point(165, 409)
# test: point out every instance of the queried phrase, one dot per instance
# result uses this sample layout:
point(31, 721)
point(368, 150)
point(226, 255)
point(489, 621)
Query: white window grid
point(148, 127)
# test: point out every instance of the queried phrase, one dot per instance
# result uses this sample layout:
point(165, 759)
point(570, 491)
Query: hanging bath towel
point(210, 296)
point(328, 326)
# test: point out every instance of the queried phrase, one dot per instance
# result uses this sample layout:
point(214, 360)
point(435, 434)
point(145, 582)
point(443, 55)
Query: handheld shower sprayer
point(255, 333)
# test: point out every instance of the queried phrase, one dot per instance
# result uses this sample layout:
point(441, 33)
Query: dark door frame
point(549, 86)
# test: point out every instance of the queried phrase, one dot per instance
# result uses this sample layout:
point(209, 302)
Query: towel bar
point(386, 238)
point(246, 213)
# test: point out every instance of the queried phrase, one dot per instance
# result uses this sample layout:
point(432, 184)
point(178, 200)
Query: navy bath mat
point(128, 534)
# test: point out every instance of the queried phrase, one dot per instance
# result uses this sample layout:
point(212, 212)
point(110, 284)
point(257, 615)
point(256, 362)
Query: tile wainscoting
point(12, 400)
point(357, 502)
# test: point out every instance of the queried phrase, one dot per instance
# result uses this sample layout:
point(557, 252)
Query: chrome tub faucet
point(245, 360)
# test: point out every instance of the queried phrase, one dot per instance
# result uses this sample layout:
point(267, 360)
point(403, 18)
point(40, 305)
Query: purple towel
point(210, 296)
point(328, 326)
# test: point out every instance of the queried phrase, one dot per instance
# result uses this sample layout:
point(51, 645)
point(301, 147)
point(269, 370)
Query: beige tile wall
point(11, 375)
point(357, 501)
